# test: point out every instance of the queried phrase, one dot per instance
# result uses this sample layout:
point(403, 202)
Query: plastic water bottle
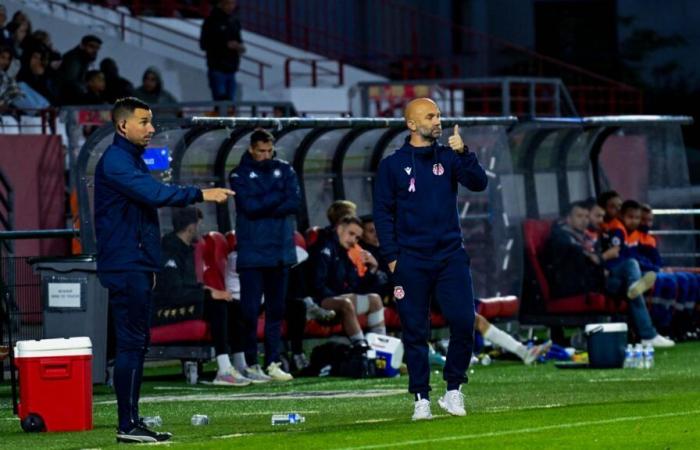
point(199, 420)
point(191, 373)
point(152, 422)
point(638, 356)
point(629, 357)
point(287, 419)
point(648, 356)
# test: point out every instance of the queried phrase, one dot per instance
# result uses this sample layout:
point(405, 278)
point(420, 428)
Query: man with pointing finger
point(415, 213)
point(128, 250)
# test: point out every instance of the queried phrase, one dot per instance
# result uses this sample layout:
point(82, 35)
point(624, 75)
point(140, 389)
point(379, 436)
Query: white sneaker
point(421, 410)
point(642, 285)
point(274, 370)
point(453, 402)
point(535, 351)
point(231, 377)
point(256, 374)
point(659, 342)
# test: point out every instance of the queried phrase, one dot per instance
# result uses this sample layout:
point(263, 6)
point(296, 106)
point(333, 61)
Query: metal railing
point(316, 70)
point(122, 28)
point(520, 96)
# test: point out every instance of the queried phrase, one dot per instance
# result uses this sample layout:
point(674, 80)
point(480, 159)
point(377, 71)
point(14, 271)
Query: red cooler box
point(55, 384)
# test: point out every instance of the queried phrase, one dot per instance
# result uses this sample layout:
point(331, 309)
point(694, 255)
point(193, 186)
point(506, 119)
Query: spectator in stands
point(268, 198)
point(221, 40)
point(152, 90)
point(71, 75)
point(623, 275)
point(116, 87)
point(8, 87)
point(96, 86)
point(4, 33)
point(18, 35)
point(611, 202)
point(41, 40)
point(34, 75)
point(339, 287)
point(177, 290)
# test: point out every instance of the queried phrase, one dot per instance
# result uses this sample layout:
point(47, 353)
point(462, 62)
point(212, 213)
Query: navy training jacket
point(267, 198)
point(415, 200)
point(335, 273)
point(126, 214)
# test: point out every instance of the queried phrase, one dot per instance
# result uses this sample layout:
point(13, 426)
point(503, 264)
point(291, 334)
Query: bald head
point(423, 119)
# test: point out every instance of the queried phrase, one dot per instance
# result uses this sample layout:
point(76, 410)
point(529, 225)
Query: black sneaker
point(140, 434)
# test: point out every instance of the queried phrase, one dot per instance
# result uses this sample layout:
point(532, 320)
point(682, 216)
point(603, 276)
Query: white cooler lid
point(53, 347)
point(613, 327)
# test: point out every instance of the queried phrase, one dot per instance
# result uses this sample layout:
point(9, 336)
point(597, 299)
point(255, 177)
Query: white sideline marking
point(465, 437)
point(310, 395)
point(616, 380)
point(229, 436)
point(522, 408)
point(373, 420)
point(173, 388)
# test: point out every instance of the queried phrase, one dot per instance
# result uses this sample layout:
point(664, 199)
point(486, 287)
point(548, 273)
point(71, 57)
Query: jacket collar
point(122, 142)
point(248, 161)
point(419, 151)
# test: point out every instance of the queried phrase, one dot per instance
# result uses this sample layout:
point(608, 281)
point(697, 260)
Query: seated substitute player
point(339, 287)
point(177, 290)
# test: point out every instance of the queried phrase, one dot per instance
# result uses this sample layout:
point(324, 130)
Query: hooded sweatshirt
point(158, 97)
point(415, 200)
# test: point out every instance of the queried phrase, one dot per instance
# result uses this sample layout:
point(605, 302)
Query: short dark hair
point(630, 204)
point(184, 217)
point(590, 203)
point(580, 204)
point(367, 218)
point(349, 220)
point(646, 207)
point(261, 135)
point(90, 38)
point(605, 197)
point(125, 107)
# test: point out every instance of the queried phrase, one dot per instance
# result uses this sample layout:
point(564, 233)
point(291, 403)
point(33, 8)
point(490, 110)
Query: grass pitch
point(509, 406)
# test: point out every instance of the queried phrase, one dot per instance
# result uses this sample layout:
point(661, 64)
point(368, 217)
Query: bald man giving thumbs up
point(415, 213)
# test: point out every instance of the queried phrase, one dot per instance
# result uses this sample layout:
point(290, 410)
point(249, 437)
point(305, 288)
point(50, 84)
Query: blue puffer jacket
point(126, 215)
point(415, 200)
point(267, 197)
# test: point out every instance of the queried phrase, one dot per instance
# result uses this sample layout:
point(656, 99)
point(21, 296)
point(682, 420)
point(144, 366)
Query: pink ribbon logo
point(412, 185)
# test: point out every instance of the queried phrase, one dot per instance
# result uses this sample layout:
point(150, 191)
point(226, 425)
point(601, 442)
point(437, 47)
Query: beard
point(430, 134)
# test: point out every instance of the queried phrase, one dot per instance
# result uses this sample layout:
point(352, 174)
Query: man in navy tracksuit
point(128, 250)
point(268, 198)
point(415, 213)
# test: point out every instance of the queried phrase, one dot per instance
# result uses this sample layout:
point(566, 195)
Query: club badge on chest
point(438, 170)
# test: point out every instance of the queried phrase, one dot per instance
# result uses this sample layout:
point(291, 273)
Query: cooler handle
point(595, 330)
point(55, 368)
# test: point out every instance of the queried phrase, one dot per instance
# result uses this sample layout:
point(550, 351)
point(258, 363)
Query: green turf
point(510, 406)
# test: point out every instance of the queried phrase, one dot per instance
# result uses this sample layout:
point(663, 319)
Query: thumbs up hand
point(455, 141)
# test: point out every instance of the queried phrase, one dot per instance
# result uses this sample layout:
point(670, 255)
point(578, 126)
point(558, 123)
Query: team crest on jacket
point(253, 175)
point(399, 292)
point(277, 173)
point(438, 169)
point(408, 170)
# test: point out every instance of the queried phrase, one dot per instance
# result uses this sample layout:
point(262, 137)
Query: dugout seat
point(539, 306)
